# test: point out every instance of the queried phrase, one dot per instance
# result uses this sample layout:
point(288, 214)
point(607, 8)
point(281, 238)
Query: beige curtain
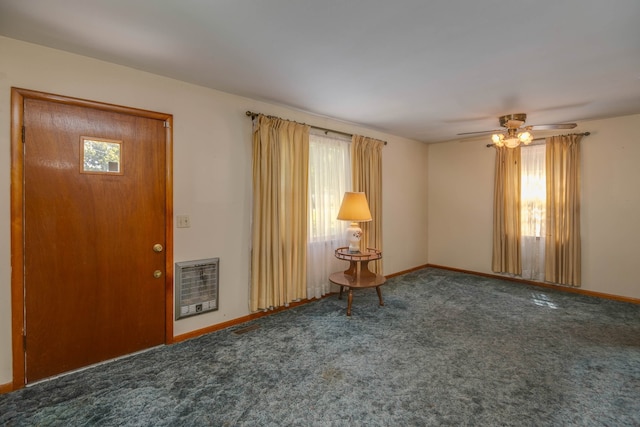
point(366, 158)
point(562, 251)
point(279, 220)
point(506, 212)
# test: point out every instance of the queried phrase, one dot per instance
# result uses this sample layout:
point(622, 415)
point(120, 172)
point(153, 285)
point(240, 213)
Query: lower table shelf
point(346, 281)
point(358, 276)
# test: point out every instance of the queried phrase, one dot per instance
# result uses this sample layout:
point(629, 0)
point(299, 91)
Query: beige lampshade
point(354, 208)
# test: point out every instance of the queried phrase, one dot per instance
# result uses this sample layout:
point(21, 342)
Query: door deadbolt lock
point(157, 247)
point(157, 274)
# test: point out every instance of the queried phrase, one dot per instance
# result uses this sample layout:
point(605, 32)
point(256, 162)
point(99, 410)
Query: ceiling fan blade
point(481, 132)
point(556, 126)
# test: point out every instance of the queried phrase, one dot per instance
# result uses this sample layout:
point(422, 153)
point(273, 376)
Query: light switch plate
point(183, 221)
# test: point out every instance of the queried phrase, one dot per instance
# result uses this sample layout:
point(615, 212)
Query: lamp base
point(354, 234)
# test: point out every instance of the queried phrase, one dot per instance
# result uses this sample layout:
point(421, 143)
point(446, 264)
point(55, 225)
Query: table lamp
point(354, 208)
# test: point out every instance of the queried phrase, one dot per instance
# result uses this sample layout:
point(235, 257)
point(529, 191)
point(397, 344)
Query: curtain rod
point(542, 139)
point(253, 115)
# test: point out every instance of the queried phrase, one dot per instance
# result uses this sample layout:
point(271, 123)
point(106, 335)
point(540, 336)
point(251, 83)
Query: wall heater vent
point(196, 287)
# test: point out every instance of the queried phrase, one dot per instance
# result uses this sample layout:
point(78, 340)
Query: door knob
point(157, 274)
point(157, 247)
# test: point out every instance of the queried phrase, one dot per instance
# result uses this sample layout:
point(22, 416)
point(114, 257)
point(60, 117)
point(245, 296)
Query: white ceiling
point(426, 70)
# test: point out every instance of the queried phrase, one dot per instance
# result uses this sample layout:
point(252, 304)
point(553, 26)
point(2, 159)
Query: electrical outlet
point(183, 221)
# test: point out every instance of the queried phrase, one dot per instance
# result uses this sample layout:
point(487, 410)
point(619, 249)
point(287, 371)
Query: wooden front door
point(95, 235)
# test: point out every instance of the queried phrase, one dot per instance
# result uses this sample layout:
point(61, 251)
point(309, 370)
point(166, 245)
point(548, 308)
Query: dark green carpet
point(446, 349)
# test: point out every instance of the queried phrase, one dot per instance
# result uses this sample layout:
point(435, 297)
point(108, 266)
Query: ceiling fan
point(515, 133)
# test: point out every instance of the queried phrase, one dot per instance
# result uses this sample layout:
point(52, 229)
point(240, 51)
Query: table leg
point(349, 301)
point(340, 294)
point(379, 295)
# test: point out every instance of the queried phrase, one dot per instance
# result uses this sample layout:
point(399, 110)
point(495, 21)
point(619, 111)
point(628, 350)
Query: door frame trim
point(18, 97)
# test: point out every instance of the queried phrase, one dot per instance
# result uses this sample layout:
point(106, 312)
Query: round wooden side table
point(358, 275)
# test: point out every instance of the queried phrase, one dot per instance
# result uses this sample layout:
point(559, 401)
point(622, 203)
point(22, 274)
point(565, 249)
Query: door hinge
point(167, 124)
point(24, 131)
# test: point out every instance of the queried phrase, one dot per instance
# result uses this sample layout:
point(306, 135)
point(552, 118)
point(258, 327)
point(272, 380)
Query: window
point(100, 156)
point(533, 191)
point(547, 202)
point(329, 178)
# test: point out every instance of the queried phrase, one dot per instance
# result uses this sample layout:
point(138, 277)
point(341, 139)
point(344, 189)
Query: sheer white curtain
point(329, 178)
point(533, 212)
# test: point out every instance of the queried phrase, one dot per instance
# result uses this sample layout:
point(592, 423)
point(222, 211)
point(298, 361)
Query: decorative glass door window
point(99, 155)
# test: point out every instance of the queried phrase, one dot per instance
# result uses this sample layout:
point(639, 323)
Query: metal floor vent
point(196, 287)
point(245, 330)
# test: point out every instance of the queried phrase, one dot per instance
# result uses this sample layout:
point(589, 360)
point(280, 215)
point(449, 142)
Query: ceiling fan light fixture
point(512, 138)
point(525, 137)
point(511, 142)
point(513, 123)
point(498, 139)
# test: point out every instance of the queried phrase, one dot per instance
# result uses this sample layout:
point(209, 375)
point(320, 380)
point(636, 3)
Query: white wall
point(460, 197)
point(212, 170)
point(611, 206)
